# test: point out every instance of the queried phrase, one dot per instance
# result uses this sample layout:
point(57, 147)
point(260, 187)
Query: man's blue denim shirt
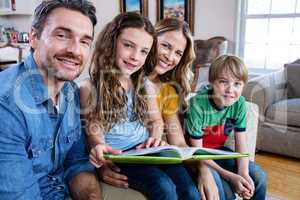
point(41, 148)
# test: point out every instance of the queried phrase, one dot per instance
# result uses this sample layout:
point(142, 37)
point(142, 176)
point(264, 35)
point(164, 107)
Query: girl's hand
point(241, 186)
point(97, 154)
point(207, 187)
point(151, 142)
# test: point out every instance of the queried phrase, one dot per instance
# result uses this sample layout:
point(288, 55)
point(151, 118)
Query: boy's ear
point(33, 38)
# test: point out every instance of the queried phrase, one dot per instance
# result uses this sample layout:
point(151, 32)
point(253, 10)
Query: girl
point(175, 54)
point(124, 49)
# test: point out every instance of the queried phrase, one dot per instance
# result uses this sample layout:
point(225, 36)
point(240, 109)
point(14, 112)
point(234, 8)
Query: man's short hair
point(44, 9)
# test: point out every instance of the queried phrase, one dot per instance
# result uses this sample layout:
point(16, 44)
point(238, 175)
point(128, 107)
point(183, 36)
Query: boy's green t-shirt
point(205, 120)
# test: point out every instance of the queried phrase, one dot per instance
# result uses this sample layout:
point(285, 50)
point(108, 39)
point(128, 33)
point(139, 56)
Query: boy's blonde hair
point(228, 63)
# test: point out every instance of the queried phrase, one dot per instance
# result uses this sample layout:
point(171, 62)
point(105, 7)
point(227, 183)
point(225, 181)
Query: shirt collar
point(212, 102)
point(37, 87)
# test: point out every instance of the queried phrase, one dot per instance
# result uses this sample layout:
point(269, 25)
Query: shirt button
point(60, 187)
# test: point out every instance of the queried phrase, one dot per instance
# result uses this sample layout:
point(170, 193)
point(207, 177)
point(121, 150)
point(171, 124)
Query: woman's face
point(133, 46)
point(170, 49)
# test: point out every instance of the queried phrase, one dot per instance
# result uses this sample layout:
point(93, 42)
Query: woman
point(169, 84)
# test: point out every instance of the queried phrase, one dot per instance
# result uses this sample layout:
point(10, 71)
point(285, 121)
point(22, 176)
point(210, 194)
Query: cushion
point(285, 112)
point(112, 193)
point(293, 80)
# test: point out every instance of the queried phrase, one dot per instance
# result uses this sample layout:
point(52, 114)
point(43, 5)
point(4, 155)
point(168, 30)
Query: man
point(42, 150)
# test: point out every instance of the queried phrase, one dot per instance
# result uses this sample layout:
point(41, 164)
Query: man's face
point(64, 44)
point(227, 89)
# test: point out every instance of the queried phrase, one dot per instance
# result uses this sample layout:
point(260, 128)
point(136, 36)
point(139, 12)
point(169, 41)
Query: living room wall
point(212, 17)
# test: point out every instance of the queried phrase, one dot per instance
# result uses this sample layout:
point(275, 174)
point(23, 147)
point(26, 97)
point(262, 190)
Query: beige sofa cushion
point(114, 193)
point(285, 112)
point(293, 81)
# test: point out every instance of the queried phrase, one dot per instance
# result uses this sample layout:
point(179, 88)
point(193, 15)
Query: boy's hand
point(241, 186)
point(151, 142)
point(110, 174)
point(251, 184)
point(97, 154)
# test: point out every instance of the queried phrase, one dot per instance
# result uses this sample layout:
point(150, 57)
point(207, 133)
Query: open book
point(171, 154)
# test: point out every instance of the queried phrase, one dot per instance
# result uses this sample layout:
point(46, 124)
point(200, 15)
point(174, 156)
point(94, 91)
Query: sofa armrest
point(251, 130)
point(266, 90)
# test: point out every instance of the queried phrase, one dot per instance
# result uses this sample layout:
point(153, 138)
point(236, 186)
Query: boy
point(217, 112)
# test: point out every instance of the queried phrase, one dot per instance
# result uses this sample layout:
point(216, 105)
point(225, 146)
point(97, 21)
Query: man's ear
point(33, 38)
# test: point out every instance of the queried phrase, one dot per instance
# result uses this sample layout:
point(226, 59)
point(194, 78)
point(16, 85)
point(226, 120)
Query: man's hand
point(207, 186)
point(151, 142)
point(110, 174)
point(97, 154)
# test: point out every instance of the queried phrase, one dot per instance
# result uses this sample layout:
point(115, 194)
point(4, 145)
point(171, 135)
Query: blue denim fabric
point(41, 148)
point(161, 182)
point(257, 174)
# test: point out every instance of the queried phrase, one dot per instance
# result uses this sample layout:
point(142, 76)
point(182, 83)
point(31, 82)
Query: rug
point(270, 197)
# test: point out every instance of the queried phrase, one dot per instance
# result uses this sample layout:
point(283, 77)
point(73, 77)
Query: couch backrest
point(293, 80)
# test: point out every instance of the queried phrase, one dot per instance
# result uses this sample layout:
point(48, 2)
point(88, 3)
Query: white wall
point(212, 17)
point(216, 18)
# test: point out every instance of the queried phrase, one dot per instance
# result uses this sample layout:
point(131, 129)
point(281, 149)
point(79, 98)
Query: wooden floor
point(283, 175)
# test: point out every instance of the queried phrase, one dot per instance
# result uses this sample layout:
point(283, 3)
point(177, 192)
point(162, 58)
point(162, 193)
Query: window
point(270, 35)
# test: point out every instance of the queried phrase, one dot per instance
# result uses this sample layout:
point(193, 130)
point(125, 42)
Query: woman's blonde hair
point(110, 97)
point(179, 76)
point(228, 63)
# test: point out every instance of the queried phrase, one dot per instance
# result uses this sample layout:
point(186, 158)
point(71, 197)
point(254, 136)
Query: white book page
point(152, 150)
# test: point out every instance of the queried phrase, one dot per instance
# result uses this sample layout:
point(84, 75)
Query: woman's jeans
point(161, 182)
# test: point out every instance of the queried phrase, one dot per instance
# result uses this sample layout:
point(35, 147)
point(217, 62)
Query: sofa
point(278, 96)
point(114, 193)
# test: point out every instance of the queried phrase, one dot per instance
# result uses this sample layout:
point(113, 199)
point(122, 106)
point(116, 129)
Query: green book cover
point(171, 155)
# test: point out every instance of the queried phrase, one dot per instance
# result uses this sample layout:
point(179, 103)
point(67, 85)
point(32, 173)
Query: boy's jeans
point(257, 174)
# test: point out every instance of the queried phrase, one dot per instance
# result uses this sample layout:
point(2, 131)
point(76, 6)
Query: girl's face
point(171, 46)
point(133, 46)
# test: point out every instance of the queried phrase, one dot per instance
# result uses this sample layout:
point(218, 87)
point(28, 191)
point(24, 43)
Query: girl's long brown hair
point(109, 97)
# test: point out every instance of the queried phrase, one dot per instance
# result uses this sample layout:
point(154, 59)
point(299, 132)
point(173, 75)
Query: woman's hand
point(151, 142)
point(97, 154)
point(207, 186)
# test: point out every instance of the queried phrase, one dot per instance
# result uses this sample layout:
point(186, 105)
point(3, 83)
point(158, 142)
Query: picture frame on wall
point(140, 6)
point(182, 9)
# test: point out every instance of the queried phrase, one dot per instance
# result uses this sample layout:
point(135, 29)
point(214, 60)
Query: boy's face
point(227, 89)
